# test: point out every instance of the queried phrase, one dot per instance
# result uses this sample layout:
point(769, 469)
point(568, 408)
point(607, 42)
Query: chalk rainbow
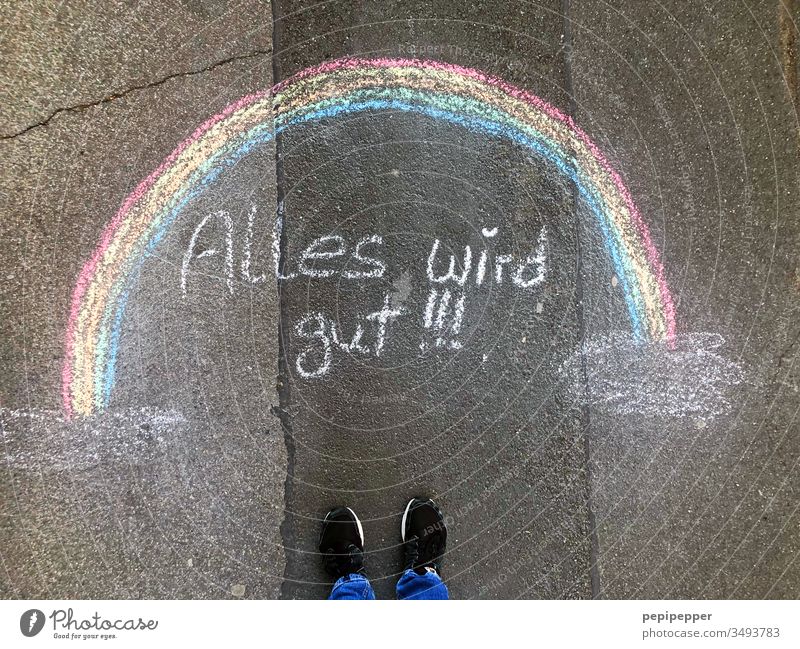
point(462, 96)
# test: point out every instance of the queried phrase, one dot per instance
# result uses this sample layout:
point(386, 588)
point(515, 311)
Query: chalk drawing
point(190, 255)
point(318, 259)
point(465, 268)
point(488, 233)
point(320, 333)
point(354, 346)
point(44, 440)
point(377, 266)
point(465, 97)
point(651, 380)
point(443, 316)
point(248, 248)
point(277, 232)
point(316, 359)
point(444, 319)
point(383, 317)
point(460, 273)
point(320, 250)
point(312, 261)
point(499, 262)
point(538, 260)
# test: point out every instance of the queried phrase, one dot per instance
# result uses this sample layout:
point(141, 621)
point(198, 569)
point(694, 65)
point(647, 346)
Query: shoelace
point(412, 551)
point(342, 564)
point(431, 550)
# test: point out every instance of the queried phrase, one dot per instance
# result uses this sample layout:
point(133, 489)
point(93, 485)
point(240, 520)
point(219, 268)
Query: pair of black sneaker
point(422, 530)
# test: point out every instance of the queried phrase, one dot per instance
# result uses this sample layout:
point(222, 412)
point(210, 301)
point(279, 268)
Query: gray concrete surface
point(178, 490)
point(571, 463)
point(62, 55)
point(694, 106)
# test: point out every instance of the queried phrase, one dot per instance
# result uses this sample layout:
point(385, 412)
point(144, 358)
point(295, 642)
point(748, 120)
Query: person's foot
point(424, 536)
point(341, 542)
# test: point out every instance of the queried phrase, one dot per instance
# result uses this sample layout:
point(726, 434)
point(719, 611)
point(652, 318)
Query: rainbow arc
point(462, 96)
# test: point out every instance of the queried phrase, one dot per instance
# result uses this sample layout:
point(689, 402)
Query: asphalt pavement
point(293, 341)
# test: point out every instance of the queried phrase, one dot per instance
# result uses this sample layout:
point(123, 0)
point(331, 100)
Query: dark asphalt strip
point(284, 396)
point(586, 425)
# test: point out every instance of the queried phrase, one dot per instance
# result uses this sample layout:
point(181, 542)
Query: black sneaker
point(424, 536)
point(341, 542)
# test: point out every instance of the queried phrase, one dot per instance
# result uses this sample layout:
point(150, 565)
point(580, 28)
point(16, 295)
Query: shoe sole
point(358, 523)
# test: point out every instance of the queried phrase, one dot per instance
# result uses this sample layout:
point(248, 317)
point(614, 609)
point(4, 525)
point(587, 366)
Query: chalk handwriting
point(450, 277)
point(383, 317)
point(324, 336)
point(444, 314)
point(248, 246)
point(190, 254)
point(450, 274)
point(376, 266)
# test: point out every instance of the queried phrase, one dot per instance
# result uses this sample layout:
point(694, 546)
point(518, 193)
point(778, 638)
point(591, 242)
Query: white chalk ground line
point(650, 379)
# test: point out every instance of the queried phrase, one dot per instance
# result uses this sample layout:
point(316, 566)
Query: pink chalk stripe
point(651, 251)
point(85, 276)
point(110, 229)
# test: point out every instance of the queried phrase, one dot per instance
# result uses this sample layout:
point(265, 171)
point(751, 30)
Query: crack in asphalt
point(284, 412)
point(118, 94)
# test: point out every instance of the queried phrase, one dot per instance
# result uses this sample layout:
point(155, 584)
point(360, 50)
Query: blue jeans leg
point(426, 586)
point(353, 586)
